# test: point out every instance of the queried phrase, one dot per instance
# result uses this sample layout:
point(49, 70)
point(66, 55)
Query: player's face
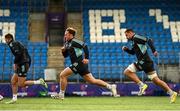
point(129, 35)
point(7, 40)
point(67, 36)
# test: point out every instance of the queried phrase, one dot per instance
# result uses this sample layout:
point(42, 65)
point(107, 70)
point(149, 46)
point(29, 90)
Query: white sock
point(109, 86)
point(1, 96)
point(14, 97)
point(140, 84)
point(61, 92)
point(37, 82)
point(170, 92)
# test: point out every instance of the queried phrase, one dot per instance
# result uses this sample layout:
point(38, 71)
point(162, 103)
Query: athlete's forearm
point(86, 51)
point(151, 45)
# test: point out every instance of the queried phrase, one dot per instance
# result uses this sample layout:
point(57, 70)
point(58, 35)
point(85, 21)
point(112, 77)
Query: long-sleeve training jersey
point(74, 48)
point(139, 47)
point(20, 52)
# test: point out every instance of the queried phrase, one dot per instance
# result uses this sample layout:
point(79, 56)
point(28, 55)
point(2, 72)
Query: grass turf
point(93, 103)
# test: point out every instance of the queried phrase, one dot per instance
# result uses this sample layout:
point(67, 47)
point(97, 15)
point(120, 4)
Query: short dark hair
point(9, 36)
point(71, 31)
point(129, 30)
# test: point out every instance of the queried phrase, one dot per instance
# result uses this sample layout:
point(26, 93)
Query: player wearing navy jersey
point(22, 62)
point(144, 63)
point(79, 64)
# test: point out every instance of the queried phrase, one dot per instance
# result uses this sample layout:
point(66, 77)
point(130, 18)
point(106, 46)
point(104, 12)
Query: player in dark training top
point(22, 62)
point(79, 64)
point(144, 63)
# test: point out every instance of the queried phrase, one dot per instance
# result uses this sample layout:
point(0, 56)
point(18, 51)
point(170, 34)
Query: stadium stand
point(104, 23)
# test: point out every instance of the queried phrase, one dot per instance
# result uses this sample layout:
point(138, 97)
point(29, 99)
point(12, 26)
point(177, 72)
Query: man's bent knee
point(127, 71)
point(62, 76)
point(13, 82)
point(21, 84)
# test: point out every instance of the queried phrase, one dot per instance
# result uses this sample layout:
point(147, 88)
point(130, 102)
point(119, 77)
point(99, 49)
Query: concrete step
point(56, 58)
point(54, 53)
point(55, 62)
point(58, 69)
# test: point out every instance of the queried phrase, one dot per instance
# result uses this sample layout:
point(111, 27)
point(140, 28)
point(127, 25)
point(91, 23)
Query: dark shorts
point(22, 69)
point(145, 66)
point(79, 68)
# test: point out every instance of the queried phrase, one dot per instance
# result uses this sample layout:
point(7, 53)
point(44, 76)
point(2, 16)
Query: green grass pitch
point(93, 104)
